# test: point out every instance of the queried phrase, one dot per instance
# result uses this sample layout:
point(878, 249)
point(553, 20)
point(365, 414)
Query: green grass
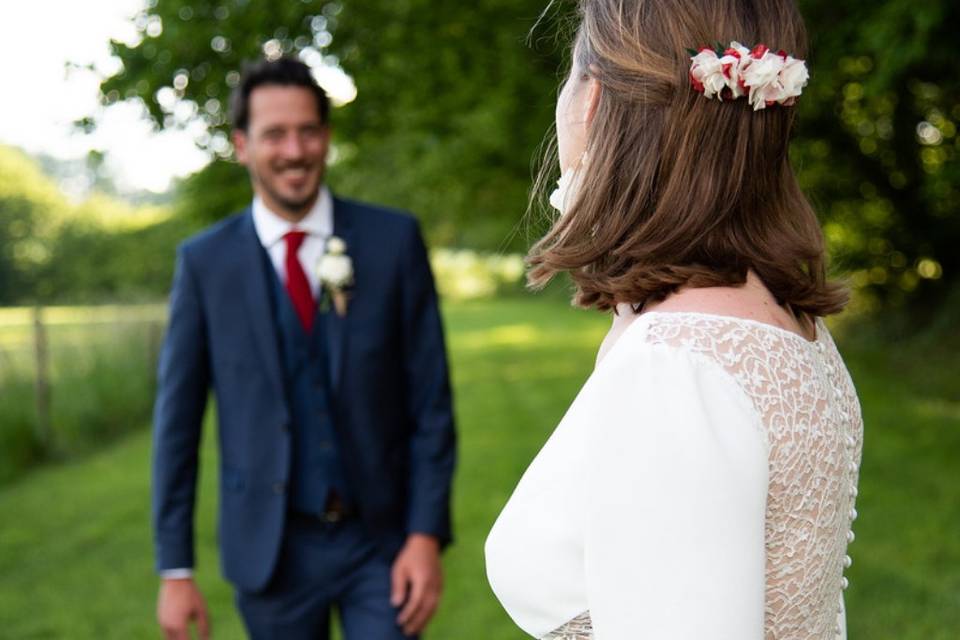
point(76, 559)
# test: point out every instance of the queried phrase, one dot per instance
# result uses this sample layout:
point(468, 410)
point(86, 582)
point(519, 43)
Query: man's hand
point(417, 581)
point(179, 602)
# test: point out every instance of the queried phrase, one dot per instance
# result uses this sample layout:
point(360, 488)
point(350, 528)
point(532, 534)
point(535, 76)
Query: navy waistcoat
point(317, 463)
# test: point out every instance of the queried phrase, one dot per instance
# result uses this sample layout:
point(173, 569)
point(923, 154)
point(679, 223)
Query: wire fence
point(72, 377)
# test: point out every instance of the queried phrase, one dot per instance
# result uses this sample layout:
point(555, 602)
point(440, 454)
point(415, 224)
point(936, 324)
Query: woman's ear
point(592, 102)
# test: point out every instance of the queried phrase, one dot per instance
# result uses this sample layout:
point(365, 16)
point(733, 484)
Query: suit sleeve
point(676, 499)
point(183, 383)
point(433, 441)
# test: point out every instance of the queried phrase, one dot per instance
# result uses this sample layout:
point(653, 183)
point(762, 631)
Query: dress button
point(851, 536)
point(854, 467)
point(836, 629)
point(844, 583)
point(278, 488)
point(853, 514)
point(854, 491)
point(847, 562)
point(851, 441)
point(838, 392)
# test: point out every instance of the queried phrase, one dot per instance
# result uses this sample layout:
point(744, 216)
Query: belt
point(336, 512)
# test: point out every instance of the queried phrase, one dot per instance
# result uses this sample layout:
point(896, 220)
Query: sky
point(39, 100)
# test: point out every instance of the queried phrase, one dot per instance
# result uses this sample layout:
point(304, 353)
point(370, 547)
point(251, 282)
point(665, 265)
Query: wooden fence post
point(42, 384)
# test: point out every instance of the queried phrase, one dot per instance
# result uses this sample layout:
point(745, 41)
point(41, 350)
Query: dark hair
point(285, 72)
point(682, 191)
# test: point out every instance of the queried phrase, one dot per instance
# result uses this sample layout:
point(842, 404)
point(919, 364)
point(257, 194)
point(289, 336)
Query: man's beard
point(299, 205)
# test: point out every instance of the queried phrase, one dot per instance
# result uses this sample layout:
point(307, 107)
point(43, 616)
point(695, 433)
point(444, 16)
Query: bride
point(702, 484)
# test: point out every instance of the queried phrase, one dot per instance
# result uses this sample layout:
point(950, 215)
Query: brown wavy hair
point(682, 191)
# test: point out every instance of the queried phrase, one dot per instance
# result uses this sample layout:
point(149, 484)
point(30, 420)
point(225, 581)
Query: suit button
point(325, 445)
point(278, 488)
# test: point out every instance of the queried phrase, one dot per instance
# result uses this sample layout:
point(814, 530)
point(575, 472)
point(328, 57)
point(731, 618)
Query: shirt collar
point(271, 228)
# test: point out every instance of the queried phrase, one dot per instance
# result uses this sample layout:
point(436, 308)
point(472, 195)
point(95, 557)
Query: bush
point(463, 274)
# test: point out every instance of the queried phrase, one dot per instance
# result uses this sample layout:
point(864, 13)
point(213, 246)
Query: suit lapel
point(335, 325)
point(257, 302)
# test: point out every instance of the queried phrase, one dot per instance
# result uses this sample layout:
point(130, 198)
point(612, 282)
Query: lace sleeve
point(677, 473)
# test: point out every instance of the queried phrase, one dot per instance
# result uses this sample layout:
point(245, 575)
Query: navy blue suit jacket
point(390, 393)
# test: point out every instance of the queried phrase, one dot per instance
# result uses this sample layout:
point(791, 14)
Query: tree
point(453, 104)
point(102, 249)
point(29, 202)
point(879, 146)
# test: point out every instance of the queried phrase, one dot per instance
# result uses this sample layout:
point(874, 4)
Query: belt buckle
point(332, 516)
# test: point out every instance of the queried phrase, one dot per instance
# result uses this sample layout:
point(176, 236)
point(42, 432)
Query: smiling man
point(314, 320)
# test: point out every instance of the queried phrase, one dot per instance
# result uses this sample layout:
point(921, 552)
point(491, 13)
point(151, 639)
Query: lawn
point(75, 554)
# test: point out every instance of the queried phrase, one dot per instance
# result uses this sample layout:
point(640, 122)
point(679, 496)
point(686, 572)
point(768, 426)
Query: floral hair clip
point(763, 76)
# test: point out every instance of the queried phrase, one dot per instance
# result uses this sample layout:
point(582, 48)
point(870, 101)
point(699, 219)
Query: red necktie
point(297, 284)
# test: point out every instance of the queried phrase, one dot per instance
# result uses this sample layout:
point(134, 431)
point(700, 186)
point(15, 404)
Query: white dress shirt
point(318, 225)
point(271, 229)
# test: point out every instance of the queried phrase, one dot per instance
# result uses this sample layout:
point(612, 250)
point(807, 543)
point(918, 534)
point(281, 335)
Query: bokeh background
point(114, 147)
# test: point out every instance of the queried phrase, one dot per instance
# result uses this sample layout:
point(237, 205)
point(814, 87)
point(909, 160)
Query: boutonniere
point(335, 272)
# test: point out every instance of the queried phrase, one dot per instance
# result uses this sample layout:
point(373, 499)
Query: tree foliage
point(54, 250)
point(878, 148)
point(29, 202)
point(453, 103)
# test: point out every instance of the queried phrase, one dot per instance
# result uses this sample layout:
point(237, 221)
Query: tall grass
point(20, 446)
point(100, 365)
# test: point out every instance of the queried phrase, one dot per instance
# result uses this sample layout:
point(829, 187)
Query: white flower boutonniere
point(335, 272)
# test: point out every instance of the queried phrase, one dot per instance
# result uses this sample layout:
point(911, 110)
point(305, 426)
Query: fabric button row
point(853, 468)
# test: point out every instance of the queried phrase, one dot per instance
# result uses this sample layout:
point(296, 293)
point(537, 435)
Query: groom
point(335, 423)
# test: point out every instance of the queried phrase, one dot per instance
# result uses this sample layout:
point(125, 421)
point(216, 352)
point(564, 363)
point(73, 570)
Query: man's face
point(284, 148)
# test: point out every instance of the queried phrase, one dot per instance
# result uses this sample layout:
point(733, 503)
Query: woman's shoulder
point(676, 355)
point(746, 350)
point(663, 354)
point(656, 383)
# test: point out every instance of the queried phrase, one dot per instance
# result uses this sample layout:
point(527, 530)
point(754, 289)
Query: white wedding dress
point(700, 487)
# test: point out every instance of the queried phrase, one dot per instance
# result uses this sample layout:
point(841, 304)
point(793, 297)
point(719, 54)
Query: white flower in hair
point(733, 60)
point(762, 76)
point(706, 72)
point(793, 79)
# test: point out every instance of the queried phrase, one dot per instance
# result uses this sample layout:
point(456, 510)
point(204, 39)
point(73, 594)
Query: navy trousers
point(324, 566)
